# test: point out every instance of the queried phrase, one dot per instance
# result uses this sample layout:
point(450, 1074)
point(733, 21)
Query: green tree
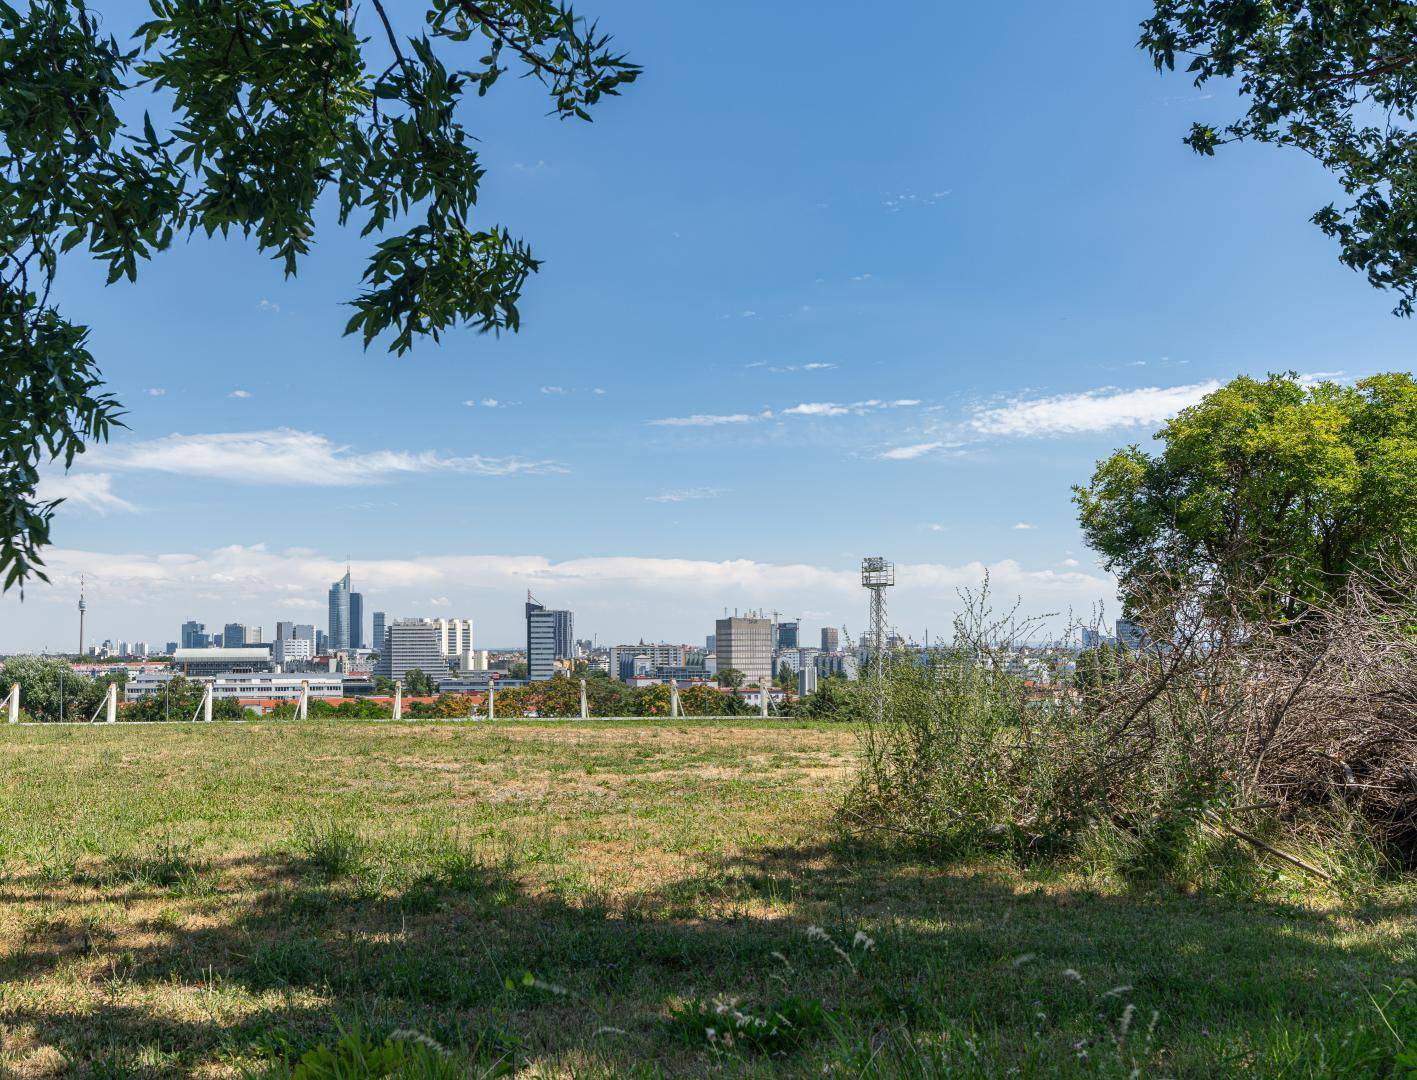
point(1337, 81)
point(1273, 487)
point(518, 670)
point(832, 700)
point(383, 686)
point(731, 678)
point(256, 112)
point(416, 683)
point(50, 689)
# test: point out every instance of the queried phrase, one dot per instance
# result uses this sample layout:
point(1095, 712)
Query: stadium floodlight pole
point(878, 575)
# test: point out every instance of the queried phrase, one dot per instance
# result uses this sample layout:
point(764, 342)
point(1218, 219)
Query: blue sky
point(899, 283)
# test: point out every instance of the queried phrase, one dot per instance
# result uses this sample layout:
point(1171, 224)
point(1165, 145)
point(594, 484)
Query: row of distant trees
point(51, 691)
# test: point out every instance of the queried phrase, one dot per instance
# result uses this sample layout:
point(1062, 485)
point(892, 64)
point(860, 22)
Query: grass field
point(580, 899)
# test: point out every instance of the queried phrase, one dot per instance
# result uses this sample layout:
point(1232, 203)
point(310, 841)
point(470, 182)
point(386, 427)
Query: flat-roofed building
point(744, 644)
point(198, 662)
point(409, 644)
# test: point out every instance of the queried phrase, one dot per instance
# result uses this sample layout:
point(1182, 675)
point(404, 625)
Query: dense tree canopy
point(1335, 80)
point(1275, 487)
point(222, 115)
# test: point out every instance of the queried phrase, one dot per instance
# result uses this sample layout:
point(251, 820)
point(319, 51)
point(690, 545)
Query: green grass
point(610, 899)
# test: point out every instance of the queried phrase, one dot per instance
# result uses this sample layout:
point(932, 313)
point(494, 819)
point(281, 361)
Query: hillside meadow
point(600, 899)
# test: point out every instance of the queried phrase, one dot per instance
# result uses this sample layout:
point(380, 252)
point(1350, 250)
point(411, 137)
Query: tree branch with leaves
point(269, 106)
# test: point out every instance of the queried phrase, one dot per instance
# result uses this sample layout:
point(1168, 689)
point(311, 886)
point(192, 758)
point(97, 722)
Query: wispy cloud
point(708, 419)
point(784, 369)
point(910, 453)
point(286, 456)
point(268, 305)
point(88, 491)
point(486, 403)
point(685, 495)
point(817, 408)
point(908, 200)
point(1103, 409)
point(553, 389)
point(1024, 525)
point(239, 394)
point(862, 277)
point(155, 391)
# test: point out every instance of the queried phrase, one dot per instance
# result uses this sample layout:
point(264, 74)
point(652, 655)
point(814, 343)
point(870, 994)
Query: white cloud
point(862, 277)
point(935, 526)
point(268, 305)
point(612, 596)
point(909, 453)
point(685, 495)
point(598, 390)
point(439, 601)
point(487, 403)
point(239, 394)
point(817, 408)
point(87, 491)
point(553, 389)
point(155, 391)
point(286, 456)
point(1090, 411)
point(706, 420)
point(1024, 525)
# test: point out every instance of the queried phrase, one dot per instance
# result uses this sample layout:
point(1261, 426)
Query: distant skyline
point(787, 319)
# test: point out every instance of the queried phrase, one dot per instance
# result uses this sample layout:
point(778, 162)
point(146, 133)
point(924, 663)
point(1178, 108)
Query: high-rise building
point(1130, 635)
point(454, 635)
point(709, 643)
point(831, 639)
point(255, 635)
point(233, 636)
point(141, 648)
point(195, 636)
point(322, 643)
point(550, 637)
point(1091, 637)
point(356, 621)
point(285, 631)
point(378, 640)
point(785, 635)
point(745, 644)
point(339, 614)
point(409, 644)
point(292, 649)
point(171, 648)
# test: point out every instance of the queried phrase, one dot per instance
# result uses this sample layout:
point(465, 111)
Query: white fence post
point(398, 701)
point(112, 705)
point(763, 704)
point(585, 710)
point(675, 709)
point(492, 701)
point(304, 709)
point(207, 702)
point(14, 700)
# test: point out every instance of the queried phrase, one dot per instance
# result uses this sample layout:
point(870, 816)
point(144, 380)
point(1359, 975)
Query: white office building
point(409, 644)
point(454, 636)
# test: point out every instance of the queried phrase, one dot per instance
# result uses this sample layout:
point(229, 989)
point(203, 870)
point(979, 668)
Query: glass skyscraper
point(339, 614)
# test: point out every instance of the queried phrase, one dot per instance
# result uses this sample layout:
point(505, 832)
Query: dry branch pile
point(1212, 711)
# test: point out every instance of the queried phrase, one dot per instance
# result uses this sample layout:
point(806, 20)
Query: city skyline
point(914, 347)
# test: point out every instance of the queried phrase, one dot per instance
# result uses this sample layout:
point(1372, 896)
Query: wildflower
point(862, 942)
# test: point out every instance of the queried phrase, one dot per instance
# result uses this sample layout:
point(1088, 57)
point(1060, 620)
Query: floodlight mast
point(877, 575)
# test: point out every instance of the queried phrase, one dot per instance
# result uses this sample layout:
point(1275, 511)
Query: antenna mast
point(82, 608)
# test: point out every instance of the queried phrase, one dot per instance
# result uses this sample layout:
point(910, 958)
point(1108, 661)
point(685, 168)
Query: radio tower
point(82, 608)
point(877, 575)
